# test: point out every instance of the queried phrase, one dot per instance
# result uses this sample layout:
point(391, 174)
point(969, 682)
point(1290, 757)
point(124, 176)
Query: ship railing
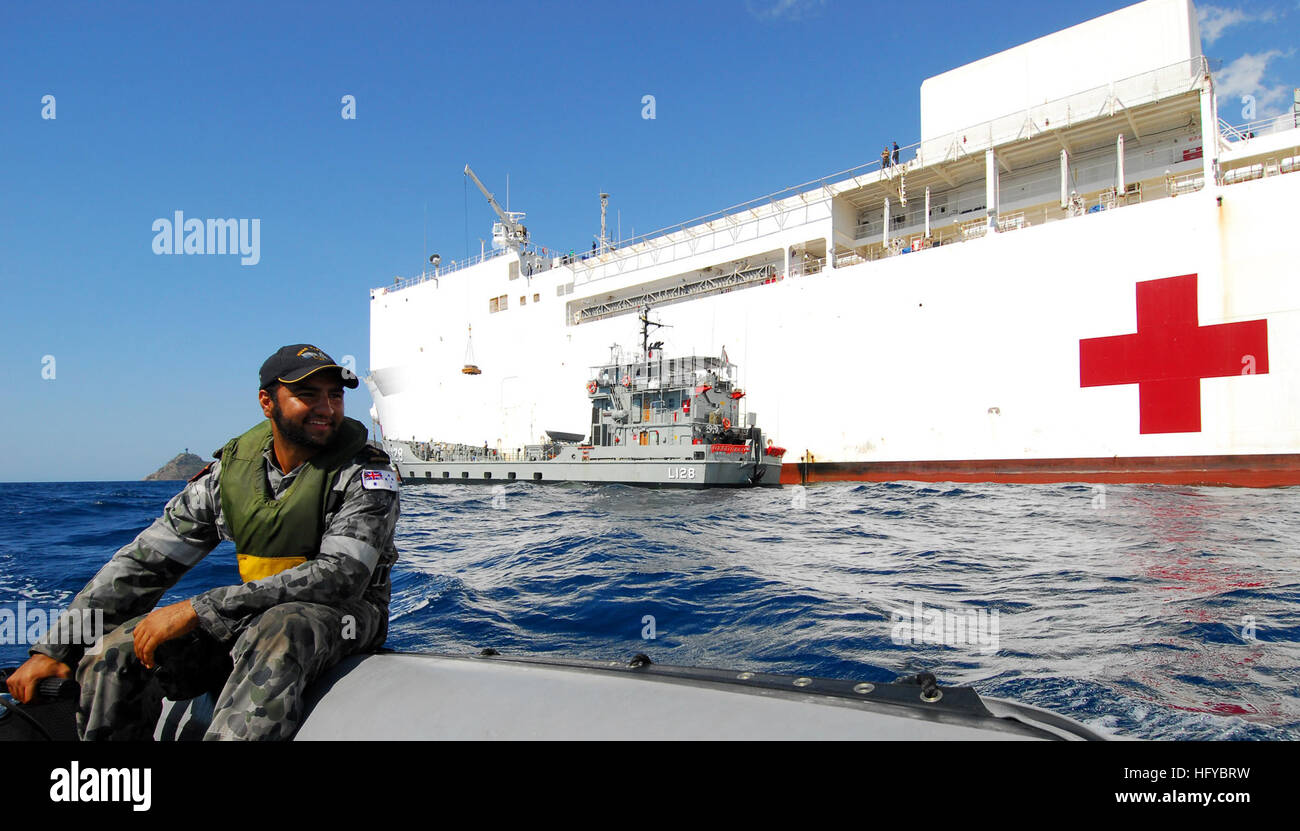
point(1264, 164)
point(1261, 170)
point(400, 283)
point(1244, 173)
point(901, 244)
point(1192, 182)
point(974, 228)
point(910, 238)
point(685, 363)
point(1259, 127)
point(805, 267)
point(678, 379)
point(679, 241)
point(669, 380)
point(1106, 100)
point(470, 455)
point(871, 220)
point(771, 200)
point(542, 259)
point(1012, 222)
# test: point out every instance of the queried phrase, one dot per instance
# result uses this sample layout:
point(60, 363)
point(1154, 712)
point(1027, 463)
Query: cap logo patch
point(311, 353)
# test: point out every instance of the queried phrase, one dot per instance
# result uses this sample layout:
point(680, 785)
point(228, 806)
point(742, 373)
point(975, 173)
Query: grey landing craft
point(655, 421)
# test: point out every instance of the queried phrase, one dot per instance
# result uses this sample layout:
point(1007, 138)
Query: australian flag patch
point(385, 480)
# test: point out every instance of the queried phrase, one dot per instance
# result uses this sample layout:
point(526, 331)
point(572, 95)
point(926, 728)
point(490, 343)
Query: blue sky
point(234, 110)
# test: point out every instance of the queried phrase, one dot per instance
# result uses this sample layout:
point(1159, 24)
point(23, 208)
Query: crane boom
point(506, 219)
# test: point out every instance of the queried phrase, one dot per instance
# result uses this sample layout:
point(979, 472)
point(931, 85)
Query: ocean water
point(1146, 611)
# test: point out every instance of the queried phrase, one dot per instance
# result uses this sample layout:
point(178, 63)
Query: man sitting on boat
point(311, 508)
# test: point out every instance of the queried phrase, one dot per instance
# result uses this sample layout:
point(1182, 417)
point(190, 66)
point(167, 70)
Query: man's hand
point(22, 684)
point(161, 626)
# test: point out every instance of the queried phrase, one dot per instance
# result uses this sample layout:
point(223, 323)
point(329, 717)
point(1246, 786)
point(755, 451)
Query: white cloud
point(784, 9)
point(1214, 19)
point(1247, 76)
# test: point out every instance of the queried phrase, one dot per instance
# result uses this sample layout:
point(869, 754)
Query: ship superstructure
point(1078, 273)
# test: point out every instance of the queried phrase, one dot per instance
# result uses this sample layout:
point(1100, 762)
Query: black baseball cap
point(291, 364)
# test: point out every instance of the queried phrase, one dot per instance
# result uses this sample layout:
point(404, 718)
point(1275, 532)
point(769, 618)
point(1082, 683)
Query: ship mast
point(646, 323)
point(604, 237)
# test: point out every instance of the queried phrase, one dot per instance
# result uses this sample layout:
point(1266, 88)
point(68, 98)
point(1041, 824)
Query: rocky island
point(184, 466)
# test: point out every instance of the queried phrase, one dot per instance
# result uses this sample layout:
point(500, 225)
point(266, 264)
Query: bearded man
point(311, 508)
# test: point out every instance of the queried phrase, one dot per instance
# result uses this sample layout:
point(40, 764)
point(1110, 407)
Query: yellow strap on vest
point(252, 567)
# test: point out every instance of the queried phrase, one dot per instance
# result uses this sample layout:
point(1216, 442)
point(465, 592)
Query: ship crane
point(508, 232)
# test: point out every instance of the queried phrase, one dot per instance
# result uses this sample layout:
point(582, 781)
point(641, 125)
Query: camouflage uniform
point(278, 633)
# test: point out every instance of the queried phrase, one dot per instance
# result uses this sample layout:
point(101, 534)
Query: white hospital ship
point(1080, 273)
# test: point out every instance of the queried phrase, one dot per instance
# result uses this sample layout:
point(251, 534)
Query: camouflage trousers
point(262, 674)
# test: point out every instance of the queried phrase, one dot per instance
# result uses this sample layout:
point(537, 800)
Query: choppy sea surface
point(1146, 611)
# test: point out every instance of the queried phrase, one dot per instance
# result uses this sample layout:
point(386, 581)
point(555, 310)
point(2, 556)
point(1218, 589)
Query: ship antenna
point(646, 323)
point(604, 238)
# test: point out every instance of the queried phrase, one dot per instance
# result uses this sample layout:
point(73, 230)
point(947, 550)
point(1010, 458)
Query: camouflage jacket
point(355, 557)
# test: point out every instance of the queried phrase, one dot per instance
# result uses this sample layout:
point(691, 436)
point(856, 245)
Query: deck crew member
point(311, 508)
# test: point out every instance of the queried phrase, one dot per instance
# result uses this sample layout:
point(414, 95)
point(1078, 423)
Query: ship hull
point(962, 363)
point(571, 467)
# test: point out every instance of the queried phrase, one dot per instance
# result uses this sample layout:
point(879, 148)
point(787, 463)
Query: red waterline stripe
point(1250, 471)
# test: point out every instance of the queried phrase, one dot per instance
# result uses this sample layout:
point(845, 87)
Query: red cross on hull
point(1171, 353)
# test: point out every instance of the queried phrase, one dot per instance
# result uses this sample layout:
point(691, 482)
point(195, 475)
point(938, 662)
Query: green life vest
point(272, 535)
